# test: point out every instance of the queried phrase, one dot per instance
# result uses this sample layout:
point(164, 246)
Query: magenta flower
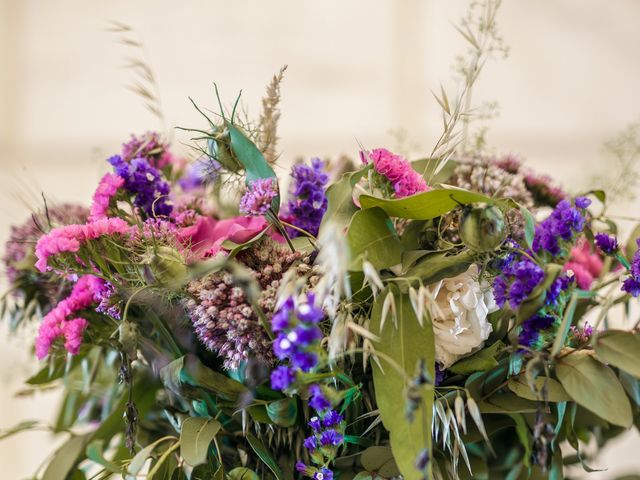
point(107, 189)
point(257, 199)
point(395, 168)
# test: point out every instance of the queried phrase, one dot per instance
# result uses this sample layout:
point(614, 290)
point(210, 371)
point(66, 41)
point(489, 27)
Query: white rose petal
point(459, 314)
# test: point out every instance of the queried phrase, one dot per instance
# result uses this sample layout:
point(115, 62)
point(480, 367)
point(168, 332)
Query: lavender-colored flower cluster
point(149, 146)
point(608, 244)
point(631, 284)
point(257, 199)
point(516, 282)
point(543, 189)
point(298, 343)
point(556, 232)
point(145, 183)
point(308, 201)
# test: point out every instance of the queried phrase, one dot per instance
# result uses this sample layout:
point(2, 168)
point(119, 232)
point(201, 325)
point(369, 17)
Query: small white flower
point(459, 311)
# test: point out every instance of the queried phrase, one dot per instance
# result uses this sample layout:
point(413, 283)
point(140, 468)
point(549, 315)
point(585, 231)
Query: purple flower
point(582, 202)
point(323, 474)
point(516, 282)
point(281, 319)
point(315, 423)
point(308, 201)
point(331, 437)
point(318, 401)
point(305, 336)
point(257, 199)
point(440, 374)
point(632, 286)
point(308, 312)
point(151, 192)
point(559, 285)
point(531, 329)
point(282, 377)
point(563, 223)
point(198, 174)
point(310, 443)
point(607, 243)
point(304, 361)
point(332, 418)
point(301, 467)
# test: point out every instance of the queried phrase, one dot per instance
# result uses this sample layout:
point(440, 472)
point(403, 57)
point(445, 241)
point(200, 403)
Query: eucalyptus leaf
point(196, 436)
point(554, 390)
point(529, 226)
point(484, 359)
point(340, 206)
point(620, 349)
point(438, 266)
point(425, 205)
point(380, 460)
point(595, 387)
point(264, 455)
point(371, 236)
point(95, 453)
point(632, 386)
point(66, 458)
point(283, 412)
point(404, 348)
point(243, 473)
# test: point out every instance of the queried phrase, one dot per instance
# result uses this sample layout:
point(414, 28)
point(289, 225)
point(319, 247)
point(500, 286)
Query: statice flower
point(308, 201)
point(531, 329)
point(145, 183)
point(198, 174)
point(257, 199)
point(105, 296)
point(585, 264)
point(559, 229)
point(23, 238)
point(149, 146)
point(516, 282)
point(225, 320)
point(56, 324)
point(581, 336)
point(395, 168)
point(70, 238)
point(107, 189)
point(631, 285)
point(608, 244)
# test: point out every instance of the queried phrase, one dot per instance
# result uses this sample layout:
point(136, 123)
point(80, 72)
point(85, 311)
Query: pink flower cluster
point(107, 189)
point(405, 180)
point(585, 264)
point(55, 324)
point(70, 237)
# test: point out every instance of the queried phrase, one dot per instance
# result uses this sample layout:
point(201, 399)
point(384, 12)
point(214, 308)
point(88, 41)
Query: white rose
point(459, 312)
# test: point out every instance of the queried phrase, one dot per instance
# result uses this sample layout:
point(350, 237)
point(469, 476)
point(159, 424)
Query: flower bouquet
point(378, 318)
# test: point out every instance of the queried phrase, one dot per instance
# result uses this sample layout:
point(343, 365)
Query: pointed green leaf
point(260, 450)
point(403, 348)
point(484, 359)
point(371, 236)
point(340, 207)
point(595, 387)
point(620, 349)
point(554, 390)
point(196, 436)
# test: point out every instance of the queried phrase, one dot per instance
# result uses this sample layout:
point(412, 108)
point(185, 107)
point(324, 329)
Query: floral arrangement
point(442, 318)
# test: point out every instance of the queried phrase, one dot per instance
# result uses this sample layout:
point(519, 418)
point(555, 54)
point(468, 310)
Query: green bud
point(482, 227)
point(168, 265)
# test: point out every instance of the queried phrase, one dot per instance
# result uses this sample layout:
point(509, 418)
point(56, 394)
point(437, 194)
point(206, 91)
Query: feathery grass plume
point(144, 82)
point(479, 28)
point(269, 118)
point(620, 180)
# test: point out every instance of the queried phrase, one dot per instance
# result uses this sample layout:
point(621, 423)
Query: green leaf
point(529, 226)
point(186, 373)
point(260, 450)
point(428, 165)
point(523, 435)
point(402, 350)
point(554, 390)
point(243, 473)
point(438, 266)
point(340, 207)
point(565, 326)
point(484, 359)
point(632, 385)
point(138, 462)
point(196, 436)
point(95, 452)
point(66, 458)
point(251, 158)
point(24, 426)
point(425, 205)
point(620, 349)
point(380, 460)
point(371, 236)
point(507, 402)
point(595, 387)
point(283, 412)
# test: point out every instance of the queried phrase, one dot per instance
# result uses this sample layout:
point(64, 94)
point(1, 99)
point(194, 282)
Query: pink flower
point(585, 264)
point(71, 237)
point(206, 236)
point(54, 325)
point(107, 189)
point(405, 180)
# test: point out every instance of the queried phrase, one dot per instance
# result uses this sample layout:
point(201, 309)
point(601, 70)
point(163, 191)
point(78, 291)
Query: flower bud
point(482, 227)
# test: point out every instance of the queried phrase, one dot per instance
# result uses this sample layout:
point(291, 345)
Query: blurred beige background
point(357, 70)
